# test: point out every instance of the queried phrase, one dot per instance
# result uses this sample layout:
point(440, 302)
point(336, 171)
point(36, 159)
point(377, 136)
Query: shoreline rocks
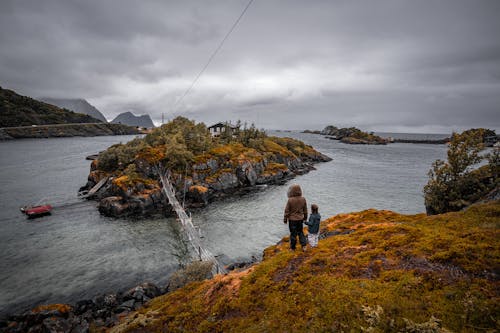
point(102, 311)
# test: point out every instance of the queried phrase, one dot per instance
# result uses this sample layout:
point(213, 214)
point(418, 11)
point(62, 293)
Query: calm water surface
point(76, 253)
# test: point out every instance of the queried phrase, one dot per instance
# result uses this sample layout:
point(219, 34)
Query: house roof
point(220, 124)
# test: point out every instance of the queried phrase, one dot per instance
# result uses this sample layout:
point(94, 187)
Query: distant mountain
point(17, 110)
point(128, 118)
point(76, 105)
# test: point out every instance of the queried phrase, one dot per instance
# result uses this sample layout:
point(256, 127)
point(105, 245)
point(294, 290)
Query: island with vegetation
point(351, 135)
point(202, 168)
point(25, 117)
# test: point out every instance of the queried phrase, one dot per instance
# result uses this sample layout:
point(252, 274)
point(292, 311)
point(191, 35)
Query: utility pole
point(162, 118)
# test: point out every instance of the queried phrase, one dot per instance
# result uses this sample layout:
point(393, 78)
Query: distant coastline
point(424, 138)
point(66, 130)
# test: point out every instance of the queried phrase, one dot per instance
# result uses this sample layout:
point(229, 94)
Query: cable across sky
point(213, 55)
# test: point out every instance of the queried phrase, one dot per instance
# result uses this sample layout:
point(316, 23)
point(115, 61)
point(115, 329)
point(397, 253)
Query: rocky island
point(202, 166)
point(351, 135)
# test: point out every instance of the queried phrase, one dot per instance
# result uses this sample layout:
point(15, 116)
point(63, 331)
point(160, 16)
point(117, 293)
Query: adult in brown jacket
point(295, 214)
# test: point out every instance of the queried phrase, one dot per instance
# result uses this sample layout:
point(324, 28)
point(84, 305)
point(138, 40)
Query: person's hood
point(294, 191)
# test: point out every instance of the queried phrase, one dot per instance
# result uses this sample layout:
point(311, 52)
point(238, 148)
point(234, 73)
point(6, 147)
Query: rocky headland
point(203, 167)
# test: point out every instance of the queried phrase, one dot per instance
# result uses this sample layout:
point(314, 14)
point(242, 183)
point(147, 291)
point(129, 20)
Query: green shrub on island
point(459, 182)
point(119, 156)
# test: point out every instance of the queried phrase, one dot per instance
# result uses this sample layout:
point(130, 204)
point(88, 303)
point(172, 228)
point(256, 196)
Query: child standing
point(313, 226)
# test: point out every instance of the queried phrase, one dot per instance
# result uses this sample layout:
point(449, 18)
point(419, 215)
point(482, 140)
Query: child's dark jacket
point(313, 223)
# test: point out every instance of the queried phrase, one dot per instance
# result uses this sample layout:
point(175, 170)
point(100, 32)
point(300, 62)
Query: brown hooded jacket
point(296, 206)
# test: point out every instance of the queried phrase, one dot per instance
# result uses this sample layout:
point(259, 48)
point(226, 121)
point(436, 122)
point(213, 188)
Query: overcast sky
point(407, 66)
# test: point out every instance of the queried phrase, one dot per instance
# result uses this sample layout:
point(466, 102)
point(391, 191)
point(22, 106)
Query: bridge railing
point(187, 223)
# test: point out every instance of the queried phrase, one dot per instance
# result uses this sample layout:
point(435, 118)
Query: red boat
point(36, 211)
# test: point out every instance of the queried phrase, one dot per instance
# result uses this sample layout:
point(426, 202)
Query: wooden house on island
point(217, 129)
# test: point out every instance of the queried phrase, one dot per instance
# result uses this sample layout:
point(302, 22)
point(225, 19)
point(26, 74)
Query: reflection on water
point(76, 253)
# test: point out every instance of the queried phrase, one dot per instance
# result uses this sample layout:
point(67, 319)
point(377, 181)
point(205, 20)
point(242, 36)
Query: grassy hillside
point(17, 110)
point(374, 271)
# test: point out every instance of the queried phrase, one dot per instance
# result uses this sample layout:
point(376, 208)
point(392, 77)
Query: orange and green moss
point(235, 154)
point(152, 155)
point(126, 181)
point(383, 272)
point(273, 168)
point(271, 146)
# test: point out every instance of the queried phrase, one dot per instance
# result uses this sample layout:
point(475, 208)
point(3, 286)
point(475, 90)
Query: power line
point(213, 55)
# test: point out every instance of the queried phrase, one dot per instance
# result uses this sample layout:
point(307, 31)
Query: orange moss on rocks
point(374, 271)
point(61, 308)
point(198, 188)
point(123, 182)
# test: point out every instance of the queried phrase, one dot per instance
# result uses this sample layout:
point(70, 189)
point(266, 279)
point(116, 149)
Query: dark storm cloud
point(381, 65)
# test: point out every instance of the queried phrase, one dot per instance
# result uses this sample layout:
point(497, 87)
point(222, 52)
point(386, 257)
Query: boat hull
point(37, 211)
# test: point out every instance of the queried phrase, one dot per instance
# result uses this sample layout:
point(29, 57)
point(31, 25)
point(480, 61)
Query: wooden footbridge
point(187, 224)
